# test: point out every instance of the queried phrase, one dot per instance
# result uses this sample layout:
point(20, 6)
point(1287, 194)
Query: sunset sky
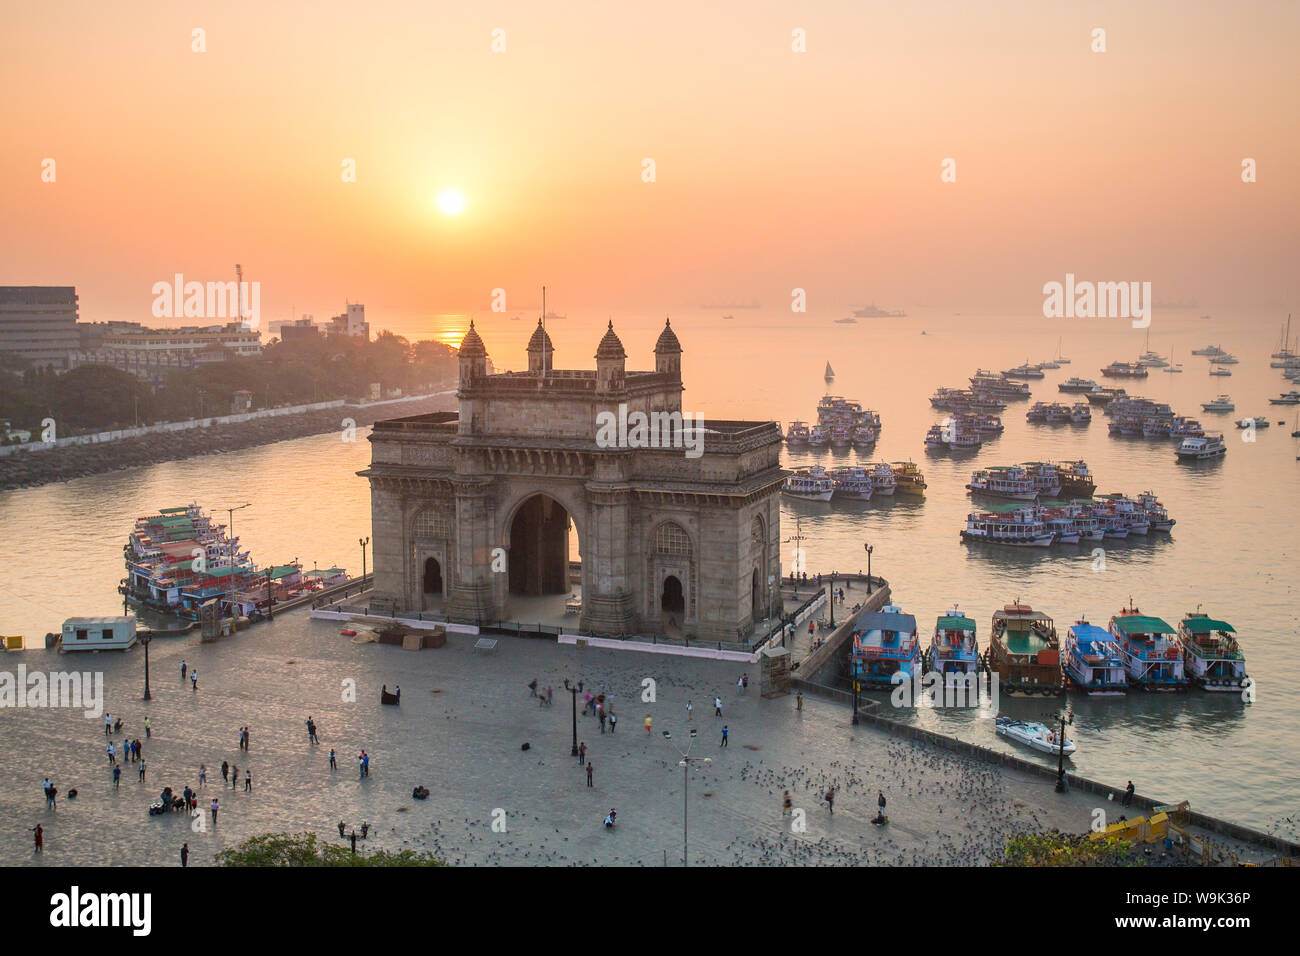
point(774, 169)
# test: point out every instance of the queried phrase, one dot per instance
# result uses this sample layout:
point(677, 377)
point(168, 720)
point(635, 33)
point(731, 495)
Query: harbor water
point(1233, 551)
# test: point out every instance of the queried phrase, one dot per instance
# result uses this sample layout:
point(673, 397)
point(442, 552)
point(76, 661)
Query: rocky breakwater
point(31, 468)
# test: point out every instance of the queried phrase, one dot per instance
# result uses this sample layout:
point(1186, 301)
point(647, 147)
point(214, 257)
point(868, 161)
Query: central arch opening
point(539, 548)
point(672, 600)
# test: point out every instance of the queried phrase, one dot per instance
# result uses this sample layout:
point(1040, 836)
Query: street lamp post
point(857, 686)
point(685, 764)
point(574, 692)
point(832, 600)
point(1061, 786)
point(868, 548)
point(145, 639)
point(363, 542)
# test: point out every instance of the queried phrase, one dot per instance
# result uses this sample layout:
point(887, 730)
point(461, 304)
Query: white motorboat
point(1206, 446)
point(1221, 403)
point(1033, 734)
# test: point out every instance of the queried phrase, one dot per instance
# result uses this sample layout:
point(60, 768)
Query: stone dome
point(668, 339)
point(610, 346)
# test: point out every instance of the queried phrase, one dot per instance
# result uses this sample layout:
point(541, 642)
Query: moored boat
point(809, 484)
point(797, 434)
point(1221, 403)
point(1075, 479)
point(1125, 370)
point(1003, 482)
point(852, 483)
point(885, 648)
point(1152, 657)
point(1024, 651)
point(953, 646)
point(1092, 661)
point(908, 479)
point(1076, 384)
point(1017, 526)
point(1033, 734)
point(1211, 654)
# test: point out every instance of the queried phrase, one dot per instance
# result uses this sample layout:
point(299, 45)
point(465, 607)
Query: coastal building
point(352, 322)
point(472, 510)
point(151, 352)
point(39, 324)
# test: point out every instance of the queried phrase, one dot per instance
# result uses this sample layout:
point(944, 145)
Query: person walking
point(798, 702)
point(532, 687)
point(248, 781)
point(108, 724)
point(333, 764)
point(142, 766)
point(225, 772)
point(880, 804)
point(786, 804)
point(194, 679)
point(717, 707)
point(724, 736)
point(215, 807)
point(203, 775)
point(234, 776)
point(185, 855)
point(602, 720)
point(148, 729)
point(647, 723)
point(548, 696)
point(690, 709)
point(39, 832)
point(740, 685)
point(117, 777)
point(589, 771)
point(183, 669)
point(830, 799)
point(582, 753)
point(112, 755)
point(613, 719)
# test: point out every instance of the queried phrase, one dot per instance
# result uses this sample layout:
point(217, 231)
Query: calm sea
point(1233, 551)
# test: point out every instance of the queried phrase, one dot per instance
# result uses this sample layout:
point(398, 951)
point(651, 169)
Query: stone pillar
point(470, 594)
point(389, 537)
point(606, 564)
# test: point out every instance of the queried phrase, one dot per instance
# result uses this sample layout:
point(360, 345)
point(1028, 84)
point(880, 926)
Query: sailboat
point(1285, 353)
point(1296, 431)
point(1149, 358)
point(830, 373)
point(1175, 367)
point(1060, 359)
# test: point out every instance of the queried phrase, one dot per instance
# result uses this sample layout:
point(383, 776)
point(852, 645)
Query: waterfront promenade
point(459, 730)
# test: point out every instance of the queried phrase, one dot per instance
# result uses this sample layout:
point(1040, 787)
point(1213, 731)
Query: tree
point(1064, 849)
point(303, 849)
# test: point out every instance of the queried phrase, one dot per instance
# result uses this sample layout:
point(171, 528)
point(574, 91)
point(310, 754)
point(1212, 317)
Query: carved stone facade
point(469, 508)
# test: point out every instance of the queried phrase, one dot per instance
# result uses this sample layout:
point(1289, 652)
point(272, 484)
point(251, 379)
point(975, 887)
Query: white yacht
point(852, 483)
point(1207, 446)
point(1039, 736)
point(1221, 403)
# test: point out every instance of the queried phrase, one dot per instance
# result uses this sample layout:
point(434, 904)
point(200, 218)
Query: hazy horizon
point(774, 169)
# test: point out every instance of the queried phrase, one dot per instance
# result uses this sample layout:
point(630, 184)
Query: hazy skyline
point(774, 169)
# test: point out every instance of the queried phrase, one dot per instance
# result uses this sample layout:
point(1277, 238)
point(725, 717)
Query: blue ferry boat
point(1093, 661)
point(885, 648)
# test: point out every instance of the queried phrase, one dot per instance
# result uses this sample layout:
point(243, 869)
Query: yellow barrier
point(13, 642)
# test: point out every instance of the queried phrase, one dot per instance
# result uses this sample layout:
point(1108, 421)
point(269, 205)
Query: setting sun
point(451, 202)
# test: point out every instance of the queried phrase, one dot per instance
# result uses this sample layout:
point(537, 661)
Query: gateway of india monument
point(471, 511)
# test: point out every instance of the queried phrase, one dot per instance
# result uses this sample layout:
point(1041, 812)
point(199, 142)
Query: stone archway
point(432, 586)
point(539, 547)
point(672, 599)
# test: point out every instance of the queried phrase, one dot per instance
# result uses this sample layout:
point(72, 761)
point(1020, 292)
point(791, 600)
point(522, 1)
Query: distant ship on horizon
point(871, 312)
point(739, 304)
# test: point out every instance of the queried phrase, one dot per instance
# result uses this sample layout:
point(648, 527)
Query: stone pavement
point(459, 730)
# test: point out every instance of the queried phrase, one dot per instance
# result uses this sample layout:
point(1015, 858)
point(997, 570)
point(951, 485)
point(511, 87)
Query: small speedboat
point(1031, 734)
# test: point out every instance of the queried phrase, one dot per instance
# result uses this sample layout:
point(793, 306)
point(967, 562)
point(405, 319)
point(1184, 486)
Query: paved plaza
point(463, 719)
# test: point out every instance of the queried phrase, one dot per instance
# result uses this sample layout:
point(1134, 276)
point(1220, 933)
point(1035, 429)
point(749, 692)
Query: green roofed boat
point(1212, 657)
point(1153, 658)
point(1025, 652)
